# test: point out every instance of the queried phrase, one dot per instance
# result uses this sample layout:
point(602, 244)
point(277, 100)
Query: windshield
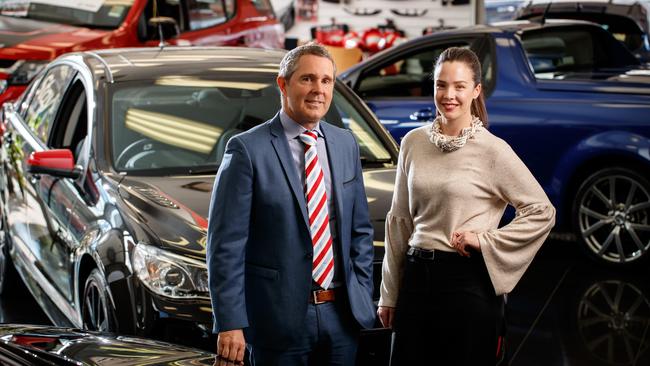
point(88, 13)
point(183, 124)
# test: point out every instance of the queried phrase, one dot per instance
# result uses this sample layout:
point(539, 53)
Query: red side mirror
point(57, 162)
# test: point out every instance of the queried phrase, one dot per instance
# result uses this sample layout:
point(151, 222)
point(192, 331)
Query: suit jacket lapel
point(281, 146)
point(335, 156)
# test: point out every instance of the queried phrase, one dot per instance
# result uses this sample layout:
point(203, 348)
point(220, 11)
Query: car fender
point(604, 145)
point(107, 251)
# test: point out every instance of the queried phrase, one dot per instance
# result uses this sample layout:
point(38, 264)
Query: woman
point(447, 265)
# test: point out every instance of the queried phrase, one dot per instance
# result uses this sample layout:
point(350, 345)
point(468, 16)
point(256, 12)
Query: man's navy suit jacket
point(259, 250)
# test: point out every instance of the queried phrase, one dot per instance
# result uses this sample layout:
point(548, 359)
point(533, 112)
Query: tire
point(96, 311)
point(611, 216)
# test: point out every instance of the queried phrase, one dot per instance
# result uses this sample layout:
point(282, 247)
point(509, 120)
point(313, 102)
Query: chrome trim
point(109, 75)
point(24, 131)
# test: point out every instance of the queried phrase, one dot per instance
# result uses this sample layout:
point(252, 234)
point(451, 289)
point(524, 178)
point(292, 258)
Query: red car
point(34, 32)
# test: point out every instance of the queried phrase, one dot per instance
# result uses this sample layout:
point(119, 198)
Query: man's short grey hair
point(289, 62)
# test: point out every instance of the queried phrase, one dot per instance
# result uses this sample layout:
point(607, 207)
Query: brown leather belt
point(321, 296)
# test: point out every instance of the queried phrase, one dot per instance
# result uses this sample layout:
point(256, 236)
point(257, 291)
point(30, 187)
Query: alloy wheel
point(95, 308)
point(614, 217)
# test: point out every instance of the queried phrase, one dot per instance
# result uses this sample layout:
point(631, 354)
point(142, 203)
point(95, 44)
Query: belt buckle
point(315, 297)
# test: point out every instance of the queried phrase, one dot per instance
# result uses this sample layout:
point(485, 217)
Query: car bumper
point(187, 322)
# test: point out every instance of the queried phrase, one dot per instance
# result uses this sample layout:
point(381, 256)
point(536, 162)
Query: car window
point(406, 76)
point(93, 14)
point(371, 148)
point(27, 96)
point(183, 123)
point(573, 52)
point(44, 105)
point(208, 13)
point(71, 125)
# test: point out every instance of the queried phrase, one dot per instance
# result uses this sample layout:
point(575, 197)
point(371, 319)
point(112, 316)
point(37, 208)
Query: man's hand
point(230, 347)
point(386, 315)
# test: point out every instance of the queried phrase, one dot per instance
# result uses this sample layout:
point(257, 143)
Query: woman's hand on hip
point(386, 315)
point(462, 241)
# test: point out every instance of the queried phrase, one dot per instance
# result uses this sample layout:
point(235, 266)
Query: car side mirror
point(56, 162)
point(167, 28)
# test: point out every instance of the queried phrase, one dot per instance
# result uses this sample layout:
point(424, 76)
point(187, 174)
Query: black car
point(108, 162)
point(32, 345)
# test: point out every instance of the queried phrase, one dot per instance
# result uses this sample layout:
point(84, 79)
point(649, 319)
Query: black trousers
point(447, 312)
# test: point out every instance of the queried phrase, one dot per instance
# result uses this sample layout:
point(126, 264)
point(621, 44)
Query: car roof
point(632, 9)
point(127, 64)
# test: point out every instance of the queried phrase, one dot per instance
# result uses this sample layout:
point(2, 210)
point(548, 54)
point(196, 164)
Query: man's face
point(308, 93)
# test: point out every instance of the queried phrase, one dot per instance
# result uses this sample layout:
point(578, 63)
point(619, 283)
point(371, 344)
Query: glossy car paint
point(562, 129)
point(33, 40)
point(33, 345)
point(97, 219)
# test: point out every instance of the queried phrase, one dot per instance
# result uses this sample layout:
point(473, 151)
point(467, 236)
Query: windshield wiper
point(203, 170)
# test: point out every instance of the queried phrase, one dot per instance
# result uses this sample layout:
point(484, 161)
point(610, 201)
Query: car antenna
point(548, 7)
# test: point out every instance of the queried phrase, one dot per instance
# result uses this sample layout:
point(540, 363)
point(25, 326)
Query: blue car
point(569, 98)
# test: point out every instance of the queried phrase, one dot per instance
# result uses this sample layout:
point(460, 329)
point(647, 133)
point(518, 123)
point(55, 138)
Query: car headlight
point(169, 274)
point(23, 71)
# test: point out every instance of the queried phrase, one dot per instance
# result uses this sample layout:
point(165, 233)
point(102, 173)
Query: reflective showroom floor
point(566, 311)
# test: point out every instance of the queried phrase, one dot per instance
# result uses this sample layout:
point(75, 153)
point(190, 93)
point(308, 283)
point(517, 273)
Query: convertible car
point(108, 162)
point(569, 98)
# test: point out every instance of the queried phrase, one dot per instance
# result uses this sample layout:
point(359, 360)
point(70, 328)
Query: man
point(289, 239)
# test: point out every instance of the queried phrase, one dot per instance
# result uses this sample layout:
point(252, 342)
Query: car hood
point(176, 208)
point(44, 345)
point(32, 39)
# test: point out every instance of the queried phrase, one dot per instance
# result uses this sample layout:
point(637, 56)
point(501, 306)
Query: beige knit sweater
point(437, 193)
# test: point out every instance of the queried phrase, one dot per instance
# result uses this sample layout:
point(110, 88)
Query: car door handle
point(422, 115)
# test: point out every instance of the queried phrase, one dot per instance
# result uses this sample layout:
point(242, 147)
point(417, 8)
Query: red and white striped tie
point(319, 223)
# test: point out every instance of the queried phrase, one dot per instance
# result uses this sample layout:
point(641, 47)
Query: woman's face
point(455, 90)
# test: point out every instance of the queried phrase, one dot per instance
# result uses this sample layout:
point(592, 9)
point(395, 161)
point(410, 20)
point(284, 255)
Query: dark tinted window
point(44, 104)
point(178, 122)
point(571, 51)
